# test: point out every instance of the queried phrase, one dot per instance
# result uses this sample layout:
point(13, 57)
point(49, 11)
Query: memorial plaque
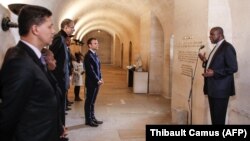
point(187, 51)
point(185, 60)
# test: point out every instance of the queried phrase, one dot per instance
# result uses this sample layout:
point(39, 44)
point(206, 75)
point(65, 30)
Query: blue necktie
point(97, 62)
point(42, 59)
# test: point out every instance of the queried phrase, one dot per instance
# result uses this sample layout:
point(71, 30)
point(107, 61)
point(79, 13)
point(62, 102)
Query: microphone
point(202, 46)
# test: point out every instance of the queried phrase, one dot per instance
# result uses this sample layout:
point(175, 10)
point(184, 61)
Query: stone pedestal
point(140, 84)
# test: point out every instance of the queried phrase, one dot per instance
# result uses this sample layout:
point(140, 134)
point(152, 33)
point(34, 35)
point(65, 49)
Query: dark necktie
point(98, 65)
point(95, 56)
point(44, 65)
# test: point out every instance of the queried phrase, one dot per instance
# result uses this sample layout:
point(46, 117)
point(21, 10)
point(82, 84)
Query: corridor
point(123, 112)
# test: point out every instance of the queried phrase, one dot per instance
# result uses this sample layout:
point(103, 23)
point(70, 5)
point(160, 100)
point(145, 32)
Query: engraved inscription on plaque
point(186, 70)
point(187, 56)
point(187, 51)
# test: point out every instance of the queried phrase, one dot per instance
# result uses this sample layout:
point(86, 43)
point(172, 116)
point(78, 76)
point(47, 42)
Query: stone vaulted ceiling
point(120, 17)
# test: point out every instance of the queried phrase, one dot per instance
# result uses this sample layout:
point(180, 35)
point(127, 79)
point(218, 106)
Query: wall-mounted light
point(16, 7)
point(81, 43)
point(78, 42)
point(6, 24)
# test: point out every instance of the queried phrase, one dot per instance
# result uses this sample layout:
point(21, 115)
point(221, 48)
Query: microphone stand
point(190, 102)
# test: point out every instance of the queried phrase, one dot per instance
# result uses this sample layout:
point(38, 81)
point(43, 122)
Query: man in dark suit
point(93, 80)
point(219, 75)
point(30, 105)
point(60, 50)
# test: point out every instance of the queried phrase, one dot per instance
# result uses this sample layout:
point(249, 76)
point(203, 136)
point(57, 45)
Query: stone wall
point(7, 39)
point(192, 24)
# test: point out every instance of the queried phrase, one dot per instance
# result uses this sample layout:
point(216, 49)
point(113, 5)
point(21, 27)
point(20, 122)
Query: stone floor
point(123, 112)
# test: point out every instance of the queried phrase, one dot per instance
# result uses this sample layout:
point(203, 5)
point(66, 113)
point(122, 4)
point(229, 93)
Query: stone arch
point(156, 56)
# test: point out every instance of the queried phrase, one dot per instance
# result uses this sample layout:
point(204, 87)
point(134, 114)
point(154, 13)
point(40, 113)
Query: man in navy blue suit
point(93, 80)
point(219, 75)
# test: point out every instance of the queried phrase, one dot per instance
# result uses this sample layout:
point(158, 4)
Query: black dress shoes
point(69, 103)
point(67, 109)
point(91, 123)
point(64, 139)
point(97, 121)
point(78, 99)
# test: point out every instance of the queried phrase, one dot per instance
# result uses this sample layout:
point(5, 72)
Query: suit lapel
point(34, 57)
point(92, 55)
point(97, 63)
point(30, 52)
point(217, 52)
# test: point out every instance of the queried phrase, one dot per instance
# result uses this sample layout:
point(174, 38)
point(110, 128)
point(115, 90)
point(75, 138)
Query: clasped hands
point(100, 82)
point(208, 72)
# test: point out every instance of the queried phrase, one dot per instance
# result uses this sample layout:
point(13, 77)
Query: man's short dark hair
point(31, 15)
point(90, 40)
point(219, 29)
